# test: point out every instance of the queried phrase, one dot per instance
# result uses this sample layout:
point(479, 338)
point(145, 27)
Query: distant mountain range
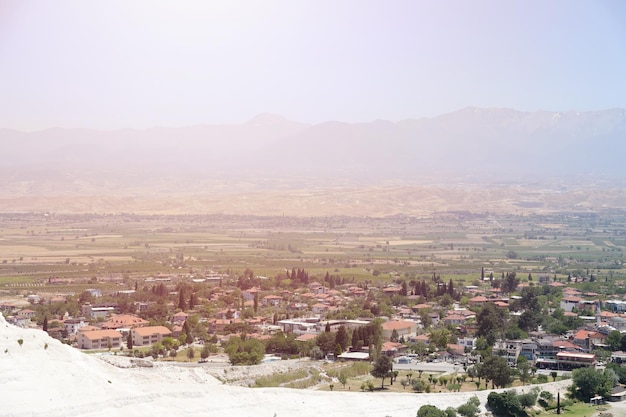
point(272, 153)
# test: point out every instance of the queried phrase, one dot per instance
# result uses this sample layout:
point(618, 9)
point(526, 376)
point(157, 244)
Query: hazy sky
point(124, 63)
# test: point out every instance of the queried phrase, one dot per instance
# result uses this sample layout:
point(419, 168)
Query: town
point(542, 293)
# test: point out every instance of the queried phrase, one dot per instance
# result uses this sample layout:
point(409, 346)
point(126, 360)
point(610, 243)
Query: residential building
point(124, 321)
point(405, 329)
point(146, 336)
point(99, 339)
point(73, 326)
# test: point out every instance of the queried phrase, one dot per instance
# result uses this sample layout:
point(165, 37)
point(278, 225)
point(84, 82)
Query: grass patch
point(277, 380)
point(575, 410)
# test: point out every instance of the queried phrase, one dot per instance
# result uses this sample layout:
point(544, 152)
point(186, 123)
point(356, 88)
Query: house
point(94, 312)
point(72, 326)
point(298, 327)
point(617, 306)
point(227, 314)
point(249, 294)
point(392, 348)
point(27, 313)
point(124, 321)
point(454, 320)
point(405, 329)
point(618, 394)
point(146, 336)
point(99, 339)
point(179, 318)
point(19, 321)
point(478, 300)
point(587, 340)
point(467, 342)
point(572, 360)
point(509, 350)
point(271, 300)
point(569, 302)
point(317, 288)
point(394, 290)
point(319, 308)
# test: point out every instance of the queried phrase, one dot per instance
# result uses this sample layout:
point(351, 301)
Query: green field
point(86, 249)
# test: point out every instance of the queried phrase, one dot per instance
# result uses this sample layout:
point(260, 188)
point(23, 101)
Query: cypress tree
point(256, 302)
point(355, 338)
point(181, 300)
point(45, 323)
point(129, 340)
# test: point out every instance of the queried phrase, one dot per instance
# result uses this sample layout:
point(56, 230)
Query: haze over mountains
point(270, 153)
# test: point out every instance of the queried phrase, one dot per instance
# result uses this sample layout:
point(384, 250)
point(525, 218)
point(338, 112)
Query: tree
point(355, 339)
point(342, 338)
point(510, 283)
point(204, 354)
point(523, 369)
point(505, 404)
point(496, 369)
point(440, 337)
point(394, 335)
point(181, 299)
point(187, 332)
point(490, 322)
point(614, 340)
point(470, 408)
point(316, 353)
point(531, 318)
point(588, 382)
point(190, 353)
point(343, 379)
point(326, 341)
point(430, 411)
point(129, 340)
point(244, 352)
point(45, 323)
point(382, 368)
point(338, 351)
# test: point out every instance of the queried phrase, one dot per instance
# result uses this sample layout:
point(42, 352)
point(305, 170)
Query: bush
point(505, 404)
point(453, 387)
point(450, 412)
point(546, 395)
point(528, 400)
point(418, 385)
point(430, 411)
point(542, 379)
point(470, 408)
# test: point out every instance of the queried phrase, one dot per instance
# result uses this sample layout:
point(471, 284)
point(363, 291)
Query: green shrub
point(470, 408)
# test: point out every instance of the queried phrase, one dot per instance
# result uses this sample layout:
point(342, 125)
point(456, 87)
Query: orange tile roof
point(100, 334)
point(397, 324)
point(147, 331)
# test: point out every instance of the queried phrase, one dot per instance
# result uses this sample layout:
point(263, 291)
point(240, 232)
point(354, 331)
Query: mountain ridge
point(270, 153)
